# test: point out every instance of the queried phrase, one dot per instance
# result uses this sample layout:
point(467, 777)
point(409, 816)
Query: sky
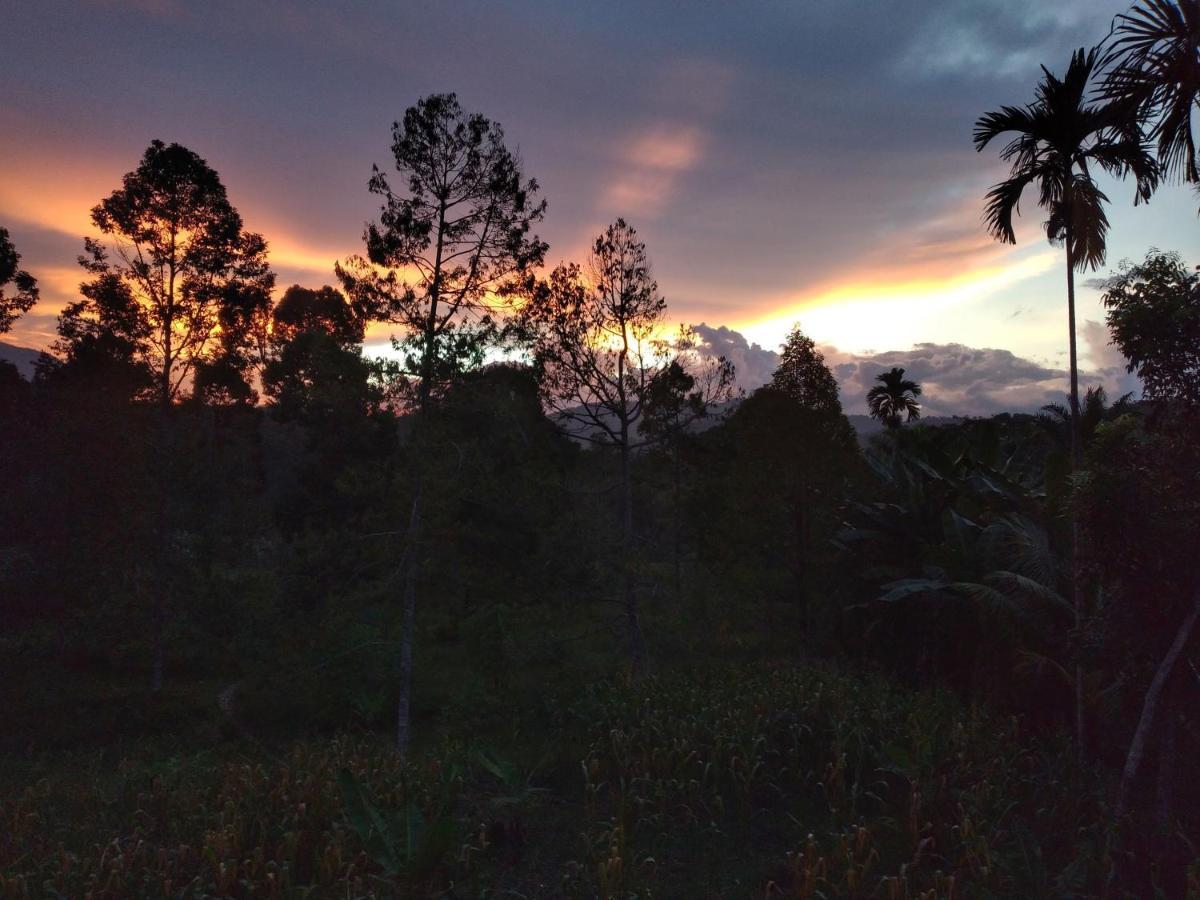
point(804, 161)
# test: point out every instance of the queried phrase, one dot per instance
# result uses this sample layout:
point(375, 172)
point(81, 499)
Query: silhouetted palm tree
point(892, 397)
point(1156, 71)
point(1059, 140)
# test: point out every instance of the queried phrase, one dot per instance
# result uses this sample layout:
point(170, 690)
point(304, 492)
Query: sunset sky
point(783, 161)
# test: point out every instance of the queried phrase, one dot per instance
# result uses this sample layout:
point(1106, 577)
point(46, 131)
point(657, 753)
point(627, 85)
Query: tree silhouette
point(448, 247)
point(1154, 316)
point(184, 266)
point(595, 340)
point(894, 397)
point(1059, 140)
point(1156, 74)
point(25, 289)
point(314, 368)
point(803, 375)
point(675, 400)
point(166, 297)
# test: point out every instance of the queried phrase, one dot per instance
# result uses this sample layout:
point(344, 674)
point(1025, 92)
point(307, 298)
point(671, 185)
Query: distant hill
point(866, 427)
point(21, 357)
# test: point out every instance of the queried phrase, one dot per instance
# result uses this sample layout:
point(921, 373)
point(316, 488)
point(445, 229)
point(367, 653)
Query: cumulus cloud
point(957, 380)
point(753, 364)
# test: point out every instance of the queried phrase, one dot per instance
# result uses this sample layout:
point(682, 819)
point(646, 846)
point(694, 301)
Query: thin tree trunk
point(1076, 465)
point(411, 560)
point(1137, 747)
point(162, 548)
point(637, 649)
point(676, 524)
point(410, 565)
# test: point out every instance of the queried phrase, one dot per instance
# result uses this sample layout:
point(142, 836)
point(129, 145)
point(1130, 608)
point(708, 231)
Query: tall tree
point(803, 375)
point(450, 244)
point(1154, 316)
point(596, 340)
point(176, 274)
point(676, 398)
point(314, 368)
point(1155, 55)
point(24, 286)
point(894, 397)
point(178, 251)
point(1058, 142)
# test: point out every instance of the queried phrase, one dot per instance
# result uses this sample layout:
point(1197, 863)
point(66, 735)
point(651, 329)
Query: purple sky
point(782, 160)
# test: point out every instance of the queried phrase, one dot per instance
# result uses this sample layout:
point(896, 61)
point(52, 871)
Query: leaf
point(368, 824)
point(907, 587)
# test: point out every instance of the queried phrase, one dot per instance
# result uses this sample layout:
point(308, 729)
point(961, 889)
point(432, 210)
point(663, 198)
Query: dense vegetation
point(541, 606)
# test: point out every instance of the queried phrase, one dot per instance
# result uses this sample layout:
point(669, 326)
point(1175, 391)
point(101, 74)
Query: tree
point(185, 277)
point(1154, 316)
point(25, 289)
point(1156, 75)
point(894, 397)
point(184, 263)
point(595, 340)
point(675, 400)
point(803, 375)
point(314, 367)
point(1059, 140)
point(449, 245)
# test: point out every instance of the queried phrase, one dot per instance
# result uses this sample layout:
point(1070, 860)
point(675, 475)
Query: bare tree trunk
point(1137, 747)
point(162, 547)
point(1076, 464)
point(409, 562)
point(637, 647)
point(676, 523)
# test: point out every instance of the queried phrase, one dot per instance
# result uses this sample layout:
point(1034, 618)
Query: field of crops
point(755, 781)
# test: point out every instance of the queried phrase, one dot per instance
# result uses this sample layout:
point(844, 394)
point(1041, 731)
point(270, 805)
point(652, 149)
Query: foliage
point(455, 236)
point(1155, 57)
point(1058, 140)
point(803, 375)
point(187, 284)
point(1154, 316)
point(25, 287)
point(894, 397)
point(729, 780)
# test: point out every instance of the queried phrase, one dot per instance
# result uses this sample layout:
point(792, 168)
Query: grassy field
point(751, 780)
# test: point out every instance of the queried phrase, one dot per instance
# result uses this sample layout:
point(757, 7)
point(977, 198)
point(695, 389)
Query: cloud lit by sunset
point(770, 185)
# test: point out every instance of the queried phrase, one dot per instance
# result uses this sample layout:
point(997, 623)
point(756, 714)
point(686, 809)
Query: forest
point(541, 604)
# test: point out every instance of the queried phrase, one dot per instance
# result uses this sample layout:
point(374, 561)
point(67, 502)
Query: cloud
point(753, 364)
point(957, 380)
point(1108, 361)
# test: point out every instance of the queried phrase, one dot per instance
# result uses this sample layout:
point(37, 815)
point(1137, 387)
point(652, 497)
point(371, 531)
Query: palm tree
point(892, 397)
point(1058, 142)
point(1156, 74)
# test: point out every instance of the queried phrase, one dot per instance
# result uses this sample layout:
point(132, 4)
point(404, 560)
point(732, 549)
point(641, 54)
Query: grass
point(754, 780)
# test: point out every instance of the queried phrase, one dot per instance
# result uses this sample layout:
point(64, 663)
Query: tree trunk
point(1076, 464)
point(637, 647)
point(162, 547)
point(1137, 747)
point(676, 523)
point(408, 561)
